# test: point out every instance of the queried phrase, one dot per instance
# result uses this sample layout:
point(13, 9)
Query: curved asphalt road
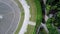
point(11, 16)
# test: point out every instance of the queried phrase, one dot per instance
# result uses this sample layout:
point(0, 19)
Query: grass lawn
point(36, 13)
point(32, 10)
point(39, 15)
point(22, 17)
point(30, 29)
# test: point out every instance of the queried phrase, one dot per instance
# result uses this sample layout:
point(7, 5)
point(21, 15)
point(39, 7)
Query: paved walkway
point(26, 17)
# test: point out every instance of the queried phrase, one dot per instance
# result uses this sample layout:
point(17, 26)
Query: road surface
point(11, 15)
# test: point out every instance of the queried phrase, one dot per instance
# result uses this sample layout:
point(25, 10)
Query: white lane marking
point(26, 17)
point(1, 16)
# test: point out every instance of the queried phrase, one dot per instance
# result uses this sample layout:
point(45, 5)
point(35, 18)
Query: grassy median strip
point(22, 17)
point(32, 10)
point(30, 29)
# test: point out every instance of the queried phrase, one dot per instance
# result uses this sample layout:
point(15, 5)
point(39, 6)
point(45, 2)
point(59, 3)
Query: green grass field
point(32, 10)
point(39, 15)
point(36, 14)
point(30, 29)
